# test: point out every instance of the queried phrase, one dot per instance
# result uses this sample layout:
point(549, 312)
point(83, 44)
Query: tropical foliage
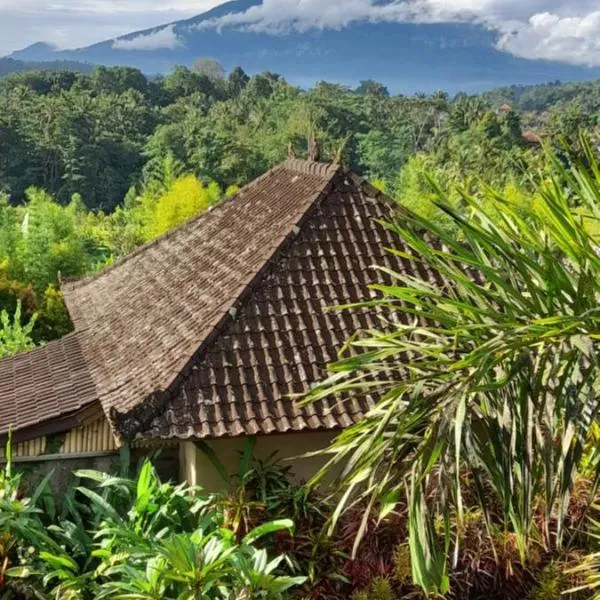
point(14, 336)
point(493, 399)
point(476, 473)
point(42, 241)
point(94, 164)
point(121, 538)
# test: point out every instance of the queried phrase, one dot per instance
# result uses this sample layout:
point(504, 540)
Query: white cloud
point(549, 36)
point(76, 23)
point(563, 30)
point(165, 38)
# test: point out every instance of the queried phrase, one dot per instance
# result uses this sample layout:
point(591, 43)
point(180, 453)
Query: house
point(210, 332)
point(532, 139)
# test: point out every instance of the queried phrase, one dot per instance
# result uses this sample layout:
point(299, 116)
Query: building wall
point(197, 468)
point(93, 445)
point(92, 441)
point(94, 436)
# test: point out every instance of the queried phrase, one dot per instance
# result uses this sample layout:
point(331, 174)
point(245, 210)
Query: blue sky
point(564, 30)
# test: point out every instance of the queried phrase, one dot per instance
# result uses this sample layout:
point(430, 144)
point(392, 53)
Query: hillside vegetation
point(93, 165)
point(475, 475)
point(12, 65)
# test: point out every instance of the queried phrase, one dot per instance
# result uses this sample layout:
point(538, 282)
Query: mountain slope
point(406, 57)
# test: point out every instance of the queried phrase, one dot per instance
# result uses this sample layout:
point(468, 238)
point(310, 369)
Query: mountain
point(406, 57)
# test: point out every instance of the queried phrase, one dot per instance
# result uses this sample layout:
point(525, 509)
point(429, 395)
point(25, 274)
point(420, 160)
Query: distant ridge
point(11, 65)
point(405, 57)
point(40, 51)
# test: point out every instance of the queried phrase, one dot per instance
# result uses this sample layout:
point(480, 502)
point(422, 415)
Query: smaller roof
point(531, 138)
point(49, 382)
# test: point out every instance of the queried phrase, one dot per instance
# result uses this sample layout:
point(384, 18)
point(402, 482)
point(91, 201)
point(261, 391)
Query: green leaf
point(267, 528)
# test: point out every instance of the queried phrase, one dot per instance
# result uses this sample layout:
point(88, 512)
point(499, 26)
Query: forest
point(94, 164)
point(13, 65)
point(476, 474)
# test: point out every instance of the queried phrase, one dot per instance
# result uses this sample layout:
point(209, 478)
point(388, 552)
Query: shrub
point(499, 386)
point(122, 538)
point(14, 335)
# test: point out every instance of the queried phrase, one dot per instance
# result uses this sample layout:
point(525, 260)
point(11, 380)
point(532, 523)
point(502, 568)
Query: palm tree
point(466, 111)
point(498, 388)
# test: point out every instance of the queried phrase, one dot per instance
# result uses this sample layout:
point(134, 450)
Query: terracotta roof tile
point(212, 330)
point(142, 320)
point(46, 383)
point(282, 338)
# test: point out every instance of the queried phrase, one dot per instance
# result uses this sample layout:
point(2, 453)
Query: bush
point(487, 372)
point(15, 336)
point(123, 538)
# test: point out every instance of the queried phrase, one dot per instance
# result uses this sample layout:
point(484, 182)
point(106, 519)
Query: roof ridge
point(370, 190)
point(74, 283)
point(311, 167)
point(307, 167)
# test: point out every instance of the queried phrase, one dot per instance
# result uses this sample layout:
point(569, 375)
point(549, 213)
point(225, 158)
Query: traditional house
point(532, 139)
point(209, 332)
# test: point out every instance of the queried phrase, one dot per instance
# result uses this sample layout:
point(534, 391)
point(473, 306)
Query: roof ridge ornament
point(314, 153)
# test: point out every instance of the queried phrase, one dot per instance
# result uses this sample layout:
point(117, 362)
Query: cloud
point(161, 39)
point(562, 30)
point(548, 36)
point(77, 23)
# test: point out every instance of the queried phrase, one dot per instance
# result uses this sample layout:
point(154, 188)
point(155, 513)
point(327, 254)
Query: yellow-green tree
point(185, 198)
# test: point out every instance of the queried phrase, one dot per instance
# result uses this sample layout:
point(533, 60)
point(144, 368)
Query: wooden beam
point(57, 457)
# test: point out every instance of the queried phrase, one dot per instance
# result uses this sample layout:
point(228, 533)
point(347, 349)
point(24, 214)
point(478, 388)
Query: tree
point(488, 374)
point(372, 88)
point(182, 82)
point(117, 80)
point(465, 111)
point(383, 153)
point(237, 80)
point(565, 124)
point(184, 198)
point(510, 123)
point(209, 67)
point(262, 85)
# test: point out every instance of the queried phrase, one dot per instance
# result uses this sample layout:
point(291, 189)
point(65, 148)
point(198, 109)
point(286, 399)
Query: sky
point(564, 30)
point(76, 23)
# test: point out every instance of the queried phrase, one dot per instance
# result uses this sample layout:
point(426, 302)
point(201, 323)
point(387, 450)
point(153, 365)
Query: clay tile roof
point(211, 330)
point(47, 383)
point(279, 342)
point(143, 319)
point(531, 138)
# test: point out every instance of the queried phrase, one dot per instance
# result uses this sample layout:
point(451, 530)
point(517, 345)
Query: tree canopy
point(94, 164)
